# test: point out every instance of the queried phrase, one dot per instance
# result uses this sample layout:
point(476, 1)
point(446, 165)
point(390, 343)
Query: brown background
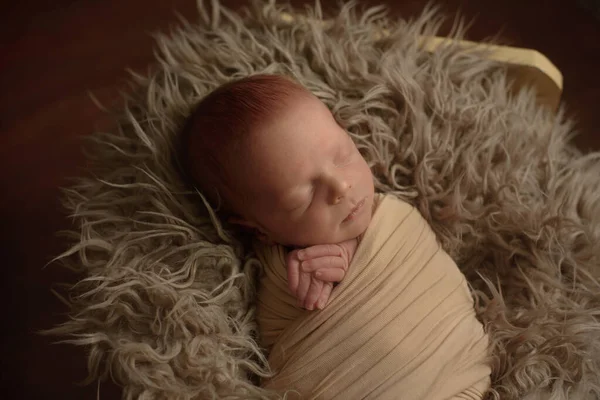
point(55, 52)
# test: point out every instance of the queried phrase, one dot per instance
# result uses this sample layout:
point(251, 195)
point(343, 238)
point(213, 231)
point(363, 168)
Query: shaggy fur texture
point(165, 306)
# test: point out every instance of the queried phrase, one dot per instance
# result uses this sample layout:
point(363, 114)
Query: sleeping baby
point(357, 299)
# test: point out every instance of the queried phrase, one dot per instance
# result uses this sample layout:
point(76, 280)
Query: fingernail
point(301, 255)
point(310, 308)
point(318, 274)
point(320, 305)
point(305, 265)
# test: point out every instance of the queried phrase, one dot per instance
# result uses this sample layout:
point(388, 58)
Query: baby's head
point(269, 152)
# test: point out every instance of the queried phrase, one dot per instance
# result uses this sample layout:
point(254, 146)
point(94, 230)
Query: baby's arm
point(313, 270)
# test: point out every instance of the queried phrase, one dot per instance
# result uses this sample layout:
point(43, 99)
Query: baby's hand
point(310, 292)
point(313, 270)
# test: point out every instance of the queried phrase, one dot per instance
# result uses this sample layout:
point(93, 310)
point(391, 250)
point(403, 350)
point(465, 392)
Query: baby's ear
point(254, 228)
point(264, 238)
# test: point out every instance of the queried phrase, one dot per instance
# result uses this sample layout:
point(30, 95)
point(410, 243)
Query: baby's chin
point(358, 227)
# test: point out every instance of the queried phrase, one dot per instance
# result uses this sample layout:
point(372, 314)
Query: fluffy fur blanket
point(166, 301)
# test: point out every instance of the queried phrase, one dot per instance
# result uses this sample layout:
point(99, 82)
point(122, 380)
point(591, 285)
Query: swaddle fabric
point(400, 325)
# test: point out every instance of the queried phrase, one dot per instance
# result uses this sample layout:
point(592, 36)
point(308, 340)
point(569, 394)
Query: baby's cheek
point(317, 229)
point(297, 233)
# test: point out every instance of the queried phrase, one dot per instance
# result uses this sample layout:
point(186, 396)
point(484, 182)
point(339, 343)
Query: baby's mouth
point(355, 211)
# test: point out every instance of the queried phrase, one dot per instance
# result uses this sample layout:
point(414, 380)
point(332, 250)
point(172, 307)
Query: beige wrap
point(401, 325)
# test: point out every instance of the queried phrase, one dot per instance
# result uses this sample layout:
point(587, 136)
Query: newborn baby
point(271, 157)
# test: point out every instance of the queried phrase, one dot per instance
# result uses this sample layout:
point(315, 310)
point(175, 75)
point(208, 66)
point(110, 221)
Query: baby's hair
point(215, 132)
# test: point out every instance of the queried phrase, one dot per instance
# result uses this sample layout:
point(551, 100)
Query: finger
point(293, 271)
point(320, 250)
point(325, 294)
point(330, 274)
point(315, 264)
point(316, 287)
point(303, 286)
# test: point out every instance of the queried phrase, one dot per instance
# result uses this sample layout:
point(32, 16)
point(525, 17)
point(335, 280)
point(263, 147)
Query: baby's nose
point(339, 190)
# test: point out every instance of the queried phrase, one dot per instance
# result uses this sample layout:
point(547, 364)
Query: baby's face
point(305, 181)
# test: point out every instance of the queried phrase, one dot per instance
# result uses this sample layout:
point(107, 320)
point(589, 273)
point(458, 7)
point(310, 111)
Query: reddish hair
point(217, 129)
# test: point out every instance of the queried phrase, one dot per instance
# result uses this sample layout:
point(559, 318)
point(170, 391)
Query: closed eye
point(306, 202)
point(311, 196)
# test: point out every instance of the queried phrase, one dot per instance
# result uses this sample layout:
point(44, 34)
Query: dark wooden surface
point(54, 54)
